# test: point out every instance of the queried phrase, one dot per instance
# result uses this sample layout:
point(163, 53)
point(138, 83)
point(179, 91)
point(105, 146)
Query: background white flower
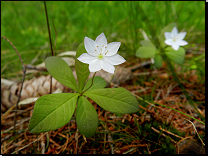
point(101, 55)
point(175, 39)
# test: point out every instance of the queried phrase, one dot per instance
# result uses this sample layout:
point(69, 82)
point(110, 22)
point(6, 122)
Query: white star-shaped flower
point(101, 55)
point(175, 39)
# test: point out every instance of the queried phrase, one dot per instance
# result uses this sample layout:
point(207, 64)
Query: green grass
point(24, 24)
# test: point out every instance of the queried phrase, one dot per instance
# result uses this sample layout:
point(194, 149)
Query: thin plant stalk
point(49, 34)
point(23, 79)
point(90, 85)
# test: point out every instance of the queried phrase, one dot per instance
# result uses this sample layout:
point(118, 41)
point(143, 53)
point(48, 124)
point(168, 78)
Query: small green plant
point(174, 53)
point(159, 51)
point(53, 111)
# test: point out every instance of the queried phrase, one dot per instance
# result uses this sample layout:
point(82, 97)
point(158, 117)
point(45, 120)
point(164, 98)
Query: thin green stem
point(90, 85)
point(49, 33)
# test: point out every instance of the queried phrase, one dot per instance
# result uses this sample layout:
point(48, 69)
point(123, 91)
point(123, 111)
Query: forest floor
point(153, 130)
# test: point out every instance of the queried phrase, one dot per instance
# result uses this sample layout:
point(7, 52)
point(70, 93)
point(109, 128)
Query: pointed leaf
point(116, 100)
point(86, 117)
point(158, 61)
point(176, 56)
point(146, 52)
point(98, 83)
point(82, 69)
point(60, 70)
point(52, 111)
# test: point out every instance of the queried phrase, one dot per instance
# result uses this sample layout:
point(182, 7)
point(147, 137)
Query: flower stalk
point(89, 86)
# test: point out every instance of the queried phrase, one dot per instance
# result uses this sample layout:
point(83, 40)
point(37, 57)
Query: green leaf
point(82, 69)
point(147, 44)
point(168, 28)
point(52, 111)
point(146, 52)
point(158, 61)
point(176, 56)
point(116, 100)
point(60, 70)
point(86, 117)
point(98, 83)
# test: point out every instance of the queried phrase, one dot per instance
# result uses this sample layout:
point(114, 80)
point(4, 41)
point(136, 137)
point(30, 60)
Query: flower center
point(174, 38)
point(100, 56)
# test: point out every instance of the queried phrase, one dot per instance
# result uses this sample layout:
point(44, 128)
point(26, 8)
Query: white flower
point(101, 55)
point(175, 39)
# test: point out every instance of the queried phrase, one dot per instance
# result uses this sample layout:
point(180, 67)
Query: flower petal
point(95, 65)
point(174, 32)
point(90, 46)
point(167, 35)
point(112, 48)
point(175, 46)
point(181, 35)
point(169, 41)
point(181, 42)
point(86, 58)
point(101, 41)
point(107, 66)
point(115, 59)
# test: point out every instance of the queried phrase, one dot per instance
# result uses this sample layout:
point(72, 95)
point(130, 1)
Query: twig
point(170, 132)
point(27, 119)
point(29, 66)
point(147, 73)
point(132, 149)
point(23, 78)
point(43, 146)
point(176, 79)
point(162, 134)
point(167, 107)
point(29, 144)
point(170, 88)
point(76, 137)
point(195, 130)
point(7, 112)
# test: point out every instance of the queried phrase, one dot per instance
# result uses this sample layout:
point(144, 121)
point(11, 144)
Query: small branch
point(170, 132)
point(196, 131)
point(176, 79)
point(23, 79)
point(162, 134)
point(29, 143)
point(152, 104)
point(35, 68)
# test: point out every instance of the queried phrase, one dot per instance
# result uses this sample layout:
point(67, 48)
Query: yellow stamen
point(106, 52)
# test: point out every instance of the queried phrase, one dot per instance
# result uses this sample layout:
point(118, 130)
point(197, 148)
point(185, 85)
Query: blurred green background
point(24, 24)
